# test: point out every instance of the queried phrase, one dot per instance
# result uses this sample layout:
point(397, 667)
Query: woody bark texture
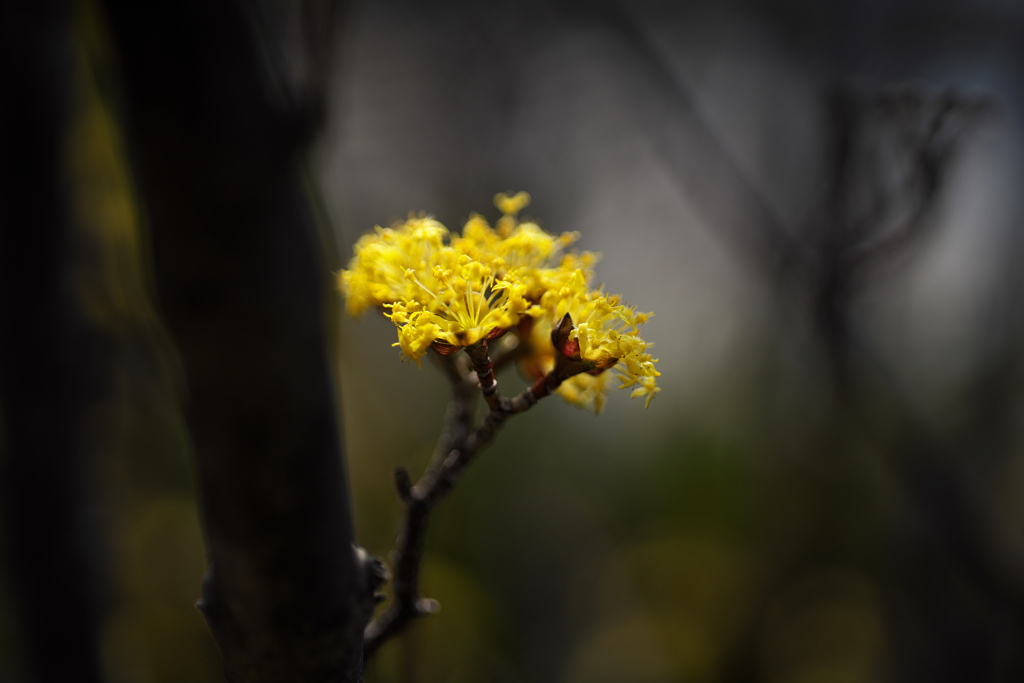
point(217, 142)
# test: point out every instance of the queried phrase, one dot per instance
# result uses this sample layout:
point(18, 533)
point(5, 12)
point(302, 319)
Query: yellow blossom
point(376, 274)
point(511, 205)
point(583, 390)
point(586, 391)
point(450, 291)
point(458, 301)
point(607, 333)
point(534, 256)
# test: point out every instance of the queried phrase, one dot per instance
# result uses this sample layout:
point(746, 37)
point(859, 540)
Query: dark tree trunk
point(46, 354)
point(217, 149)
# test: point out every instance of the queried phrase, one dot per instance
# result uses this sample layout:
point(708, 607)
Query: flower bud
point(560, 338)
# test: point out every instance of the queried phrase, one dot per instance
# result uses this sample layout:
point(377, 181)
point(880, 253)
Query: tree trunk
point(47, 355)
point(217, 149)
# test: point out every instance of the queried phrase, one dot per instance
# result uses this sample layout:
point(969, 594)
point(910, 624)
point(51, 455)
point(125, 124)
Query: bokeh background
point(820, 202)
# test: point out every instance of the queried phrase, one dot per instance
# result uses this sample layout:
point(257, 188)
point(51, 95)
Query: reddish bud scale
point(564, 346)
point(444, 348)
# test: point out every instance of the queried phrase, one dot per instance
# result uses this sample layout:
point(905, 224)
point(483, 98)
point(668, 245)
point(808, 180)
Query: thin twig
point(408, 552)
point(457, 448)
point(484, 370)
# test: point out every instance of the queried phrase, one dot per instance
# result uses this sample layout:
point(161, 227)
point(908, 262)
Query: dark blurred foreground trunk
point(47, 358)
point(216, 145)
point(217, 149)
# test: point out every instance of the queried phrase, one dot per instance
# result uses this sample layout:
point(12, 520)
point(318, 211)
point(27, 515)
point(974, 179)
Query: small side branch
point(484, 370)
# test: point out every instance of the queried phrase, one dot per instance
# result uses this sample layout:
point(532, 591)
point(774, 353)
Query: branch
point(457, 448)
point(419, 501)
point(696, 153)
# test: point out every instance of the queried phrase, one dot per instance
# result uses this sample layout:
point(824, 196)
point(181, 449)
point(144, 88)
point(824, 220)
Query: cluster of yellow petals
point(459, 302)
point(451, 290)
point(584, 390)
point(377, 273)
point(607, 333)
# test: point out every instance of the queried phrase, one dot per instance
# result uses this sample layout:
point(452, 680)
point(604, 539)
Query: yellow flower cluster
point(607, 333)
point(448, 292)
